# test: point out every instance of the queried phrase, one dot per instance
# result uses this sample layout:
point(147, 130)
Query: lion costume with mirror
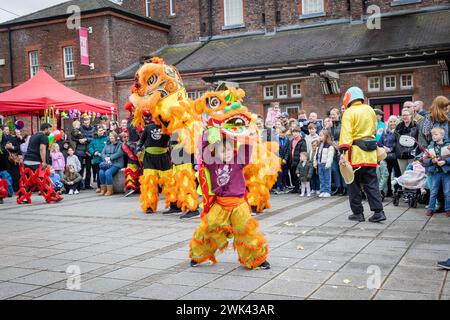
point(226, 149)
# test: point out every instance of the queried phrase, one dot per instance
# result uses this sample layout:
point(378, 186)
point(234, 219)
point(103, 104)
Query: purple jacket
point(58, 162)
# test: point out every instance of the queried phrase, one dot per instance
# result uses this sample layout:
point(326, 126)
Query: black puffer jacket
point(88, 133)
point(299, 148)
point(412, 130)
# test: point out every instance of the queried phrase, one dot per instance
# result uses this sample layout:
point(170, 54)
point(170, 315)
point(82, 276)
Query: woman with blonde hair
point(437, 117)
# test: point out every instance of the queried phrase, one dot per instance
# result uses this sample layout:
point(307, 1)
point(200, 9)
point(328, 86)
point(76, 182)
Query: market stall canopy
point(42, 91)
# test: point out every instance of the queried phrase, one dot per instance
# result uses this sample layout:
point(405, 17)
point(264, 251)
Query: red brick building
point(302, 53)
point(42, 40)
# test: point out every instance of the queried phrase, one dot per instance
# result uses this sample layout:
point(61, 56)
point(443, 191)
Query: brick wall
point(129, 41)
point(389, 5)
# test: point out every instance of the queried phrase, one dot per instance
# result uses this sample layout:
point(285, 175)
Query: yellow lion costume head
point(223, 109)
point(158, 91)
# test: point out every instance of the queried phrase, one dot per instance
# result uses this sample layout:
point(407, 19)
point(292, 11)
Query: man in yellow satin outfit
point(358, 144)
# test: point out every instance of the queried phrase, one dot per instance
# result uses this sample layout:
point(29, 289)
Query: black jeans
point(365, 177)
point(392, 165)
point(73, 187)
point(96, 171)
point(86, 164)
point(294, 178)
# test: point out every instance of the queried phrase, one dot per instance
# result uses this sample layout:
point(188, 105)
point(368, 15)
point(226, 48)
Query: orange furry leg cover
point(168, 186)
point(186, 187)
point(149, 189)
point(250, 244)
point(132, 173)
point(210, 236)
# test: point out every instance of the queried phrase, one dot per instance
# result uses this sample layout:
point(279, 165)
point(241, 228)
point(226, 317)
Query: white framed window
point(310, 7)
point(268, 92)
point(374, 84)
point(390, 83)
point(147, 7)
point(282, 91)
point(406, 81)
point(192, 95)
point(172, 7)
point(233, 12)
point(34, 62)
point(295, 90)
point(69, 71)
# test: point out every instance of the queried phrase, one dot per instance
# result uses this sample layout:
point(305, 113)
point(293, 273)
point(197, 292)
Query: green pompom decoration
point(213, 135)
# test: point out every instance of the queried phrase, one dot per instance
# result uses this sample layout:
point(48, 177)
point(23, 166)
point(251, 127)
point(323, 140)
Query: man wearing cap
point(381, 126)
point(358, 145)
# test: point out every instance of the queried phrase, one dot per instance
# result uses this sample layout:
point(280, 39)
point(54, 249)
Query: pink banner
point(84, 46)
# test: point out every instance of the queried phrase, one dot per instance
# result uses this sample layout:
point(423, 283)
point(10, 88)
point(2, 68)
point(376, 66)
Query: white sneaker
point(76, 192)
point(321, 195)
point(309, 194)
point(71, 191)
point(326, 195)
point(302, 194)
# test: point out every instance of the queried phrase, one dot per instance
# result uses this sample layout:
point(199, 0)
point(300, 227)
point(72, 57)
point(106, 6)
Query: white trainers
point(321, 195)
point(302, 194)
point(76, 192)
point(309, 194)
point(326, 195)
point(71, 191)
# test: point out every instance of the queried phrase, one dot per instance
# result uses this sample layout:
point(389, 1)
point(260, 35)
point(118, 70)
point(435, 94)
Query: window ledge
point(233, 26)
point(312, 15)
point(404, 2)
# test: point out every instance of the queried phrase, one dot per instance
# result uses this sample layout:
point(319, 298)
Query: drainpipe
point(11, 73)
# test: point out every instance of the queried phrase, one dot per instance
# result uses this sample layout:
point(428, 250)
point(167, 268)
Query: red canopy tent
point(36, 95)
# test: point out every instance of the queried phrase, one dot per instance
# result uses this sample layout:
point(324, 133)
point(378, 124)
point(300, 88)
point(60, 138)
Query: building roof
point(171, 55)
point(400, 34)
point(86, 6)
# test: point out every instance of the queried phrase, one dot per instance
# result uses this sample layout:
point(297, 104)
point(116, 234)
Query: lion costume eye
point(213, 102)
point(153, 79)
point(170, 72)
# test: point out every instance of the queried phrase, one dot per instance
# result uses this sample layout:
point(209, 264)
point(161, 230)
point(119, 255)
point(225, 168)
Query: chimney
point(269, 15)
point(356, 9)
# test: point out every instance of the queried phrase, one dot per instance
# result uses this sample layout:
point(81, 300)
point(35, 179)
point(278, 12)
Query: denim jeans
point(336, 174)
point(106, 176)
point(282, 177)
point(315, 182)
point(325, 178)
point(437, 180)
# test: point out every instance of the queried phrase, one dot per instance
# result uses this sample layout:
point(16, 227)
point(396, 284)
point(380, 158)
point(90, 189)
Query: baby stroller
point(410, 185)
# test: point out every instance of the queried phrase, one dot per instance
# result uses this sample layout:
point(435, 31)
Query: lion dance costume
point(133, 169)
point(158, 93)
point(226, 212)
point(36, 178)
point(3, 189)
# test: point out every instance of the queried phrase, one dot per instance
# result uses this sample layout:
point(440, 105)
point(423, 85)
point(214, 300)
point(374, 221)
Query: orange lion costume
point(158, 93)
point(226, 211)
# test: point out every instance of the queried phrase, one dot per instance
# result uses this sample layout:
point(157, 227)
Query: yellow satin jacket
point(358, 122)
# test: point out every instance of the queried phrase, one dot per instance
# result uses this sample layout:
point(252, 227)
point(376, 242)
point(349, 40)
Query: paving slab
point(328, 292)
point(158, 291)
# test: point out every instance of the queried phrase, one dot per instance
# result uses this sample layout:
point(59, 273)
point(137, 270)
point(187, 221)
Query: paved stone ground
point(316, 253)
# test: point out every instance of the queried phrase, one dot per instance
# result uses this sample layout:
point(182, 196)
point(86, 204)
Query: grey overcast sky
point(23, 7)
